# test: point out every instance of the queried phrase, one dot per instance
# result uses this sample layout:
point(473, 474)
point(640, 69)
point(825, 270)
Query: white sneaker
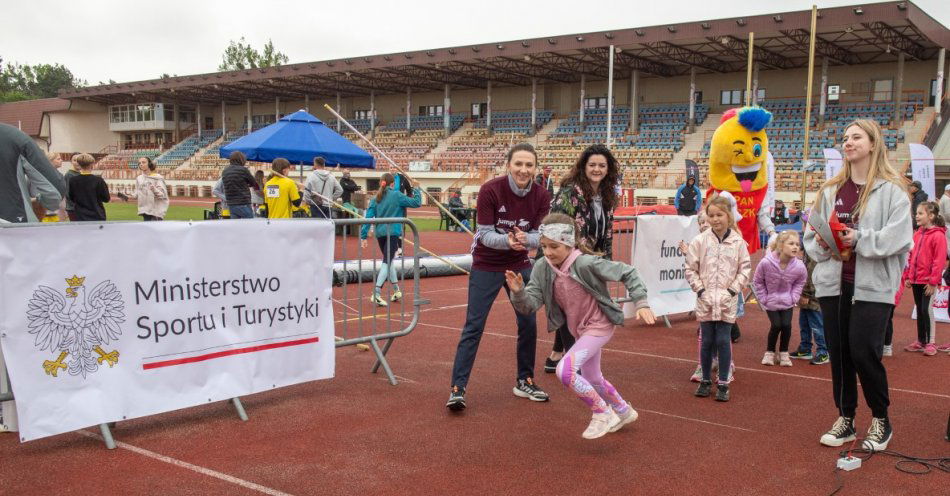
point(697, 374)
point(888, 350)
point(768, 359)
point(397, 295)
point(600, 424)
point(784, 359)
point(627, 417)
point(378, 300)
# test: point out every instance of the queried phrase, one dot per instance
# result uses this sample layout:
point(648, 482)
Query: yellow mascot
point(738, 163)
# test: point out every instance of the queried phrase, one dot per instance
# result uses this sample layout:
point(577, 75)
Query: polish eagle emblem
point(76, 323)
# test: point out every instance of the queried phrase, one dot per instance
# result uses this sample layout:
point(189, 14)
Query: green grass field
point(128, 211)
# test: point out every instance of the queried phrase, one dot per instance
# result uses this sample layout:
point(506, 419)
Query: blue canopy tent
point(299, 138)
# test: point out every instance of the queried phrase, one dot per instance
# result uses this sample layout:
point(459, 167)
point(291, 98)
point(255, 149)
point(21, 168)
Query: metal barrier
point(358, 328)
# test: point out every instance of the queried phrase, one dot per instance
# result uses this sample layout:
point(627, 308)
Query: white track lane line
point(188, 466)
point(687, 360)
point(743, 429)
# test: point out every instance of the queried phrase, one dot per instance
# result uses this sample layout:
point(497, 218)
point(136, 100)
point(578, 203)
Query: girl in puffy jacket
point(717, 268)
point(924, 271)
point(778, 282)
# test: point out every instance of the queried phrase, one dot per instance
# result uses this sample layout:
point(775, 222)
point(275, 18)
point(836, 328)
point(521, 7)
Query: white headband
point(561, 233)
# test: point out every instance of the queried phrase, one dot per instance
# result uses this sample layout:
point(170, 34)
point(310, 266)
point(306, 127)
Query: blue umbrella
point(299, 138)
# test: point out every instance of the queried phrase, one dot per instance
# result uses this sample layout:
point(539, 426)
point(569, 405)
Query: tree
point(26, 82)
point(239, 56)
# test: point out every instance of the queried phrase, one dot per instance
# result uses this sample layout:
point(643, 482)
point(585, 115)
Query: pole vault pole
point(396, 166)
point(748, 77)
point(811, 74)
point(361, 216)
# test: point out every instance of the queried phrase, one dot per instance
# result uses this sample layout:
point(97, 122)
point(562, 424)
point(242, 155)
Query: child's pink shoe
point(930, 349)
point(944, 348)
point(915, 346)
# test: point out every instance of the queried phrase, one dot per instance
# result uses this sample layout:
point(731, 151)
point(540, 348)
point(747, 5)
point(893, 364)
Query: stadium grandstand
point(654, 94)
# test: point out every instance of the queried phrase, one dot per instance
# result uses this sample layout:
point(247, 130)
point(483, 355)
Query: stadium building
point(656, 98)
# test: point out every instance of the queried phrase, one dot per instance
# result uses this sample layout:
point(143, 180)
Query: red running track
point(356, 434)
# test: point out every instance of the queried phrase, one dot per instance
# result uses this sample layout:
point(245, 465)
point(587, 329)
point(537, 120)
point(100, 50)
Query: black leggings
point(925, 313)
point(855, 336)
point(147, 217)
point(563, 340)
point(781, 321)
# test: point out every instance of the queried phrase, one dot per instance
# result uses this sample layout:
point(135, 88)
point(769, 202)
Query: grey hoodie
point(321, 186)
point(14, 197)
point(883, 237)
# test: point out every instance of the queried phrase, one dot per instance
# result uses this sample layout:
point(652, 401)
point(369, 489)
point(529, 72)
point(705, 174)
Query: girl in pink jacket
point(717, 268)
point(778, 282)
point(924, 271)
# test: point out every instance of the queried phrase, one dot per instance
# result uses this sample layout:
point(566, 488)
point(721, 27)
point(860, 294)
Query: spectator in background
point(45, 201)
point(944, 205)
point(88, 191)
point(151, 191)
point(457, 208)
point(546, 181)
point(70, 207)
point(321, 187)
point(238, 183)
point(781, 213)
point(280, 192)
point(20, 159)
point(688, 198)
point(349, 187)
point(257, 195)
point(218, 192)
point(917, 196)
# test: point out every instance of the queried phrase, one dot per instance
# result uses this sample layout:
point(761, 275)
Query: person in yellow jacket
point(281, 194)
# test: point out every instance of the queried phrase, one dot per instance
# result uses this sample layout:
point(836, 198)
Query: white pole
point(198, 117)
point(446, 110)
point(338, 124)
point(372, 113)
point(583, 83)
point(408, 108)
point(692, 98)
point(249, 120)
point(534, 104)
point(276, 108)
point(306, 103)
point(755, 84)
point(488, 109)
point(224, 124)
point(610, 94)
point(634, 101)
point(939, 96)
point(823, 99)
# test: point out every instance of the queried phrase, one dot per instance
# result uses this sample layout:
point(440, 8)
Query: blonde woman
point(856, 294)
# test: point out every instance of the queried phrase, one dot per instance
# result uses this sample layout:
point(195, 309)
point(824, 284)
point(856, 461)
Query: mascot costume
point(738, 163)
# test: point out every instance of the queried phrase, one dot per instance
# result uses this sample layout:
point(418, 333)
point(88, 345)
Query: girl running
point(717, 268)
point(778, 282)
point(923, 273)
point(389, 202)
point(571, 282)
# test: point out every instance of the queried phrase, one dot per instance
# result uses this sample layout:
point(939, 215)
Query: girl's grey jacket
point(589, 271)
point(883, 237)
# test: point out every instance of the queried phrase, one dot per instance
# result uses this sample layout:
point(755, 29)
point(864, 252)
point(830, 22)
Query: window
point(430, 110)
point(882, 90)
point(730, 97)
point(596, 102)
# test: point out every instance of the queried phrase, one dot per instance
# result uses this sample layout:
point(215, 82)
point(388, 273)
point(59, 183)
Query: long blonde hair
point(879, 167)
point(722, 203)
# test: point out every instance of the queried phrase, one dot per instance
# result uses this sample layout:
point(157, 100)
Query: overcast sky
point(129, 41)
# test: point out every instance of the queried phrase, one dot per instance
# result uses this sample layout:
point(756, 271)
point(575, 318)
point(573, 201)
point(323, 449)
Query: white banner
point(922, 168)
point(833, 162)
point(940, 304)
point(660, 263)
point(110, 322)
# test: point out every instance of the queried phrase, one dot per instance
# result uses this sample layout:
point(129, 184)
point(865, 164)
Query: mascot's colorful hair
point(738, 163)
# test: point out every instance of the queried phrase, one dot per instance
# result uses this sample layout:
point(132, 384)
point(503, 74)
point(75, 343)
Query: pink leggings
point(591, 387)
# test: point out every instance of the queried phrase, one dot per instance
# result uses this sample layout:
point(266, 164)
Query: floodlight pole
point(811, 75)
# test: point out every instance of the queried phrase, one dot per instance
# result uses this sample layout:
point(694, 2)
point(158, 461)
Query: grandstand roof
point(850, 35)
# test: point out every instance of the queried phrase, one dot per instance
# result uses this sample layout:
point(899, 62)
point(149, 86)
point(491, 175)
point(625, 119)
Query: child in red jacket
point(924, 272)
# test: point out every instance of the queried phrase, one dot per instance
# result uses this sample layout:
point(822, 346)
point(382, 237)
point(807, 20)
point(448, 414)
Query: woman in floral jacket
point(588, 194)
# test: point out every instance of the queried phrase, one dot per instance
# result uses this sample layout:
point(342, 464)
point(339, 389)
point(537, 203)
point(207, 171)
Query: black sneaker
point(550, 366)
point(456, 401)
point(704, 389)
point(820, 359)
point(722, 392)
point(801, 355)
point(879, 434)
point(840, 433)
point(526, 388)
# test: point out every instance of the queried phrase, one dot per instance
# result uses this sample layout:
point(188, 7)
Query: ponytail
point(385, 183)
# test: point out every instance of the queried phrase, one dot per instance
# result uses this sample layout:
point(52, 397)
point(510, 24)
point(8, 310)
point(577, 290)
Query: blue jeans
point(241, 211)
point(483, 287)
point(715, 338)
point(810, 323)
